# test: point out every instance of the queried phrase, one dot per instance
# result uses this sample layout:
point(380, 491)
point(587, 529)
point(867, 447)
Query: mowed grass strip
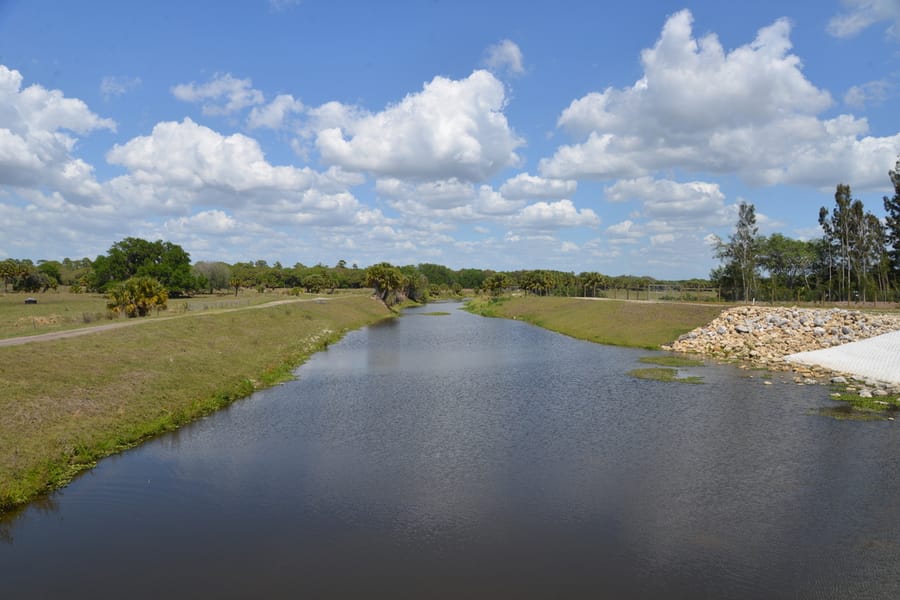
point(614, 322)
point(62, 310)
point(66, 403)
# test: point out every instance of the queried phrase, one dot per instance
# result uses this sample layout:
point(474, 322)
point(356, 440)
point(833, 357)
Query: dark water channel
point(457, 456)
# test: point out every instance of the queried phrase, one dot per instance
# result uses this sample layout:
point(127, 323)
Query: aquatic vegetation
point(671, 361)
point(663, 374)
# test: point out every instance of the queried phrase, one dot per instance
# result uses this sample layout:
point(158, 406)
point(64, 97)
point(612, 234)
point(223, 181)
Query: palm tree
point(137, 297)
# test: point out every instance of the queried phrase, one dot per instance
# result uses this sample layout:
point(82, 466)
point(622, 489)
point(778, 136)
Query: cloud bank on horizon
point(502, 165)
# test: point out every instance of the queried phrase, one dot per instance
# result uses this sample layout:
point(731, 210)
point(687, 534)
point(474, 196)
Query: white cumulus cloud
point(624, 232)
point(750, 111)
point(38, 130)
point(189, 155)
point(871, 93)
point(549, 216)
point(662, 239)
point(194, 172)
point(275, 114)
point(451, 201)
point(505, 55)
point(694, 202)
point(207, 221)
point(222, 95)
point(525, 186)
point(451, 129)
point(442, 194)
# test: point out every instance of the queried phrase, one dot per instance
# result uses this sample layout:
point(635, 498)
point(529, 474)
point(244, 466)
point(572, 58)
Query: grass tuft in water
point(662, 374)
point(846, 412)
point(671, 361)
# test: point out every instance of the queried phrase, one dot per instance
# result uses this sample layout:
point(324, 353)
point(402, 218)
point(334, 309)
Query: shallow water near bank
point(465, 456)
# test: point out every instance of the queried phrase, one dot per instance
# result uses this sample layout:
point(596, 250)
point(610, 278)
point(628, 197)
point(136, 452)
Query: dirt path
point(58, 335)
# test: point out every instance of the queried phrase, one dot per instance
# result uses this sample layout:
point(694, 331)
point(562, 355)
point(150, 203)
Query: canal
point(458, 456)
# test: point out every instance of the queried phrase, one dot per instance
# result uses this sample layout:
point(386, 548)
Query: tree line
point(139, 276)
point(857, 258)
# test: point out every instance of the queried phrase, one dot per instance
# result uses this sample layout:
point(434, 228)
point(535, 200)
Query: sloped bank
point(613, 322)
point(66, 403)
point(763, 336)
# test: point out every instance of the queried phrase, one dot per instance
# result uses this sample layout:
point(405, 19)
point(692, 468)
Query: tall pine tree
point(740, 251)
point(892, 225)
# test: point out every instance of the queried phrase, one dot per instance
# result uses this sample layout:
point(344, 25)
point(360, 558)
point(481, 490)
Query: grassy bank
point(62, 310)
point(617, 323)
point(66, 403)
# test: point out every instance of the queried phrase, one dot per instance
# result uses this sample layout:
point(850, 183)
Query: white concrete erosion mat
point(864, 345)
point(876, 358)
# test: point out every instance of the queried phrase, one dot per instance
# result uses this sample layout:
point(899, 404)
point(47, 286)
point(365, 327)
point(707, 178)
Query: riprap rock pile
point(765, 335)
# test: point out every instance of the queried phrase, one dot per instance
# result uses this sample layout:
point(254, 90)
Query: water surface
point(458, 456)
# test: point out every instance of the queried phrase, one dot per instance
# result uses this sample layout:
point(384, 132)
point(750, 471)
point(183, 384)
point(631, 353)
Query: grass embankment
point(613, 322)
point(62, 310)
point(66, 403)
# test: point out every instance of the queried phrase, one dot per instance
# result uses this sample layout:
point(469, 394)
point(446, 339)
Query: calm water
point(457, 456)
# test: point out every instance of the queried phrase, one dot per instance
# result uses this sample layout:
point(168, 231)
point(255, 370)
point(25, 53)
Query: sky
point(617, 137)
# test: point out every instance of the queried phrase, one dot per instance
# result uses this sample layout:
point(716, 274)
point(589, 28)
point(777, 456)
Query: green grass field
point(66, 403)
point(62, 310)
point(55, 311)
point(613, 322)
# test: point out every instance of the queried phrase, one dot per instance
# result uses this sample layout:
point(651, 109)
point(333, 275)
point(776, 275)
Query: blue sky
point(616, 137)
